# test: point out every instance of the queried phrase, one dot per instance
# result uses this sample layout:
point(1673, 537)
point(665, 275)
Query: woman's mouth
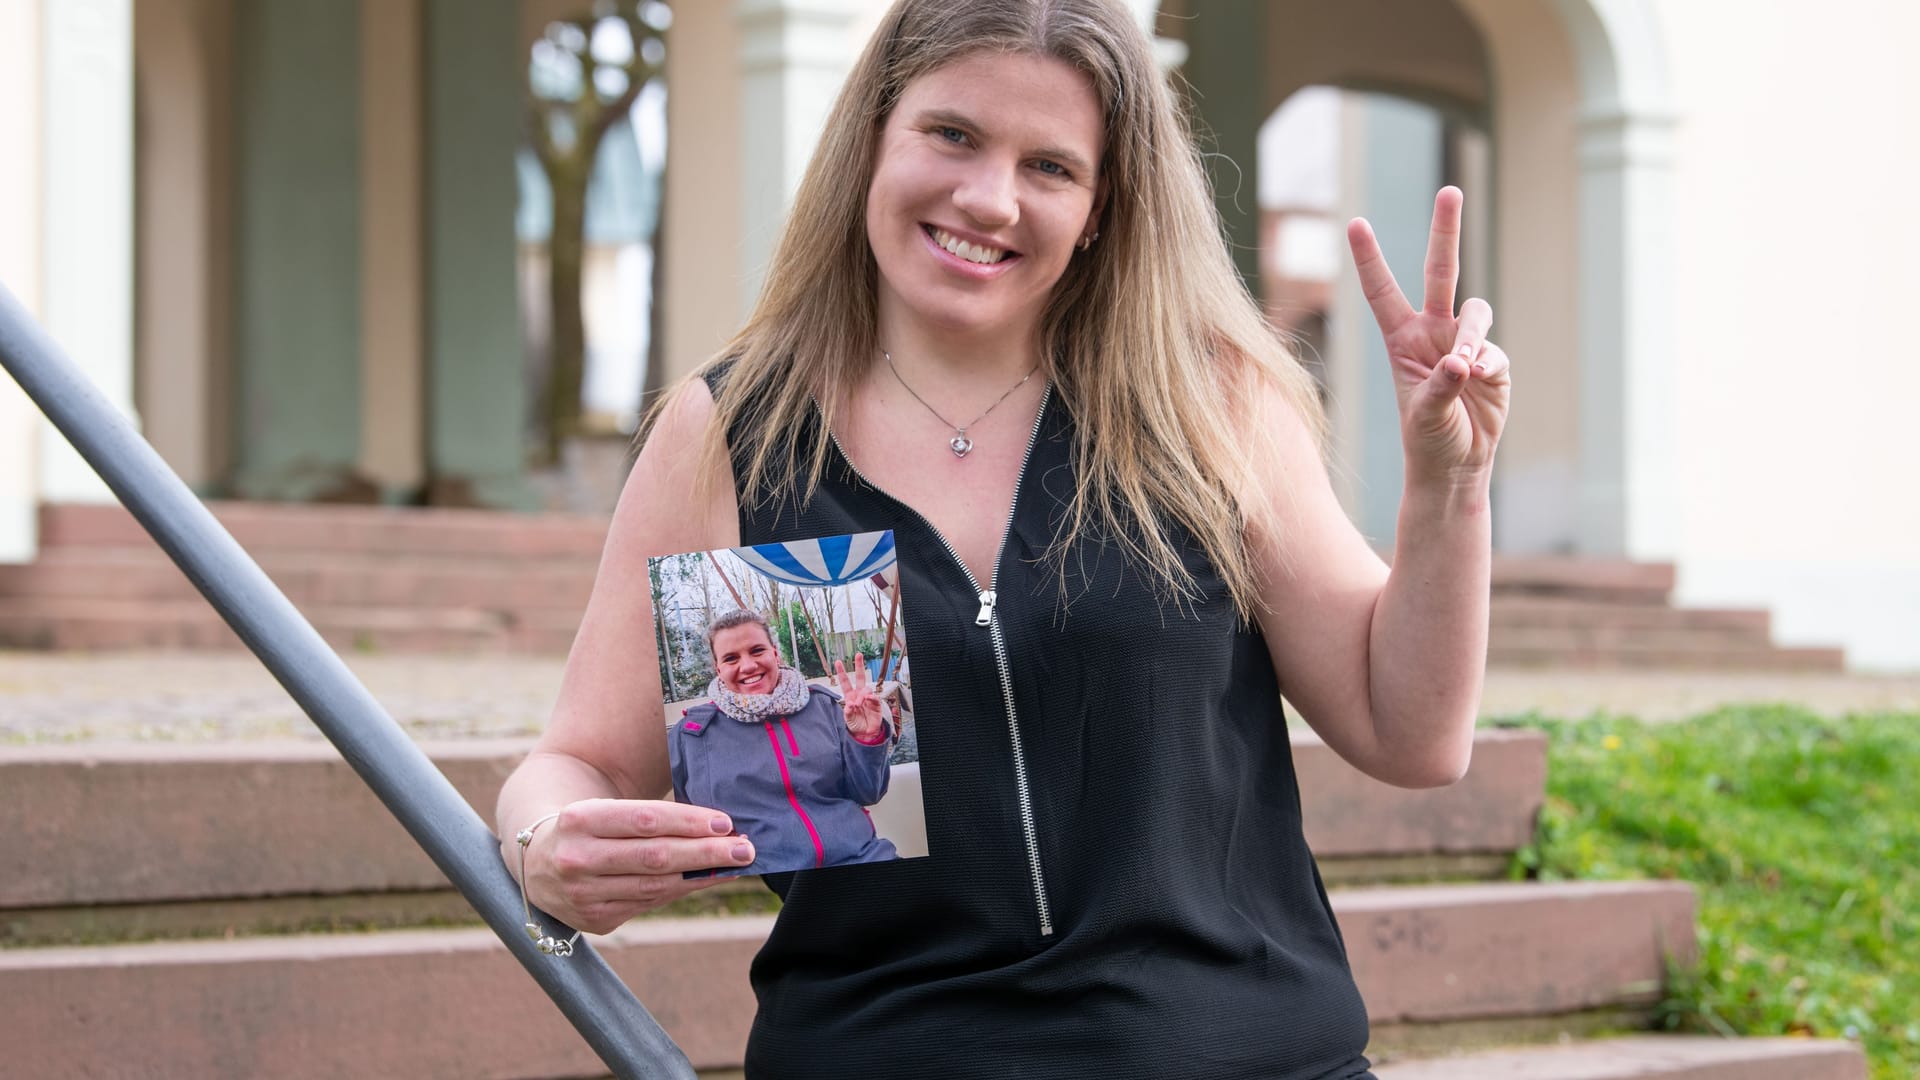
point(974, 253)
point(752, 683)
point(966, 258)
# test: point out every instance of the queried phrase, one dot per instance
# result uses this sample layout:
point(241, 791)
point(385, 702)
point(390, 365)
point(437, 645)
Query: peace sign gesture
point(1451, 382)
point(866, 714)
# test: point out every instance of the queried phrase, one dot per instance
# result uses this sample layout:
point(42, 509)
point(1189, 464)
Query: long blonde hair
point(1150, 338)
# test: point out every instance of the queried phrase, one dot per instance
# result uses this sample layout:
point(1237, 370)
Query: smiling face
point(986, 177)
point(745, 659)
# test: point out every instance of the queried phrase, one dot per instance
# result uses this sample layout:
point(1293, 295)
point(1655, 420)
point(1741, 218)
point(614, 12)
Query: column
point(392, 270)
point(475, 392)
point(1629, 491)
point(184, 235)
point(1629, 487)
point(297, 312)
point(794, 54)
point(1226, 64)
point(87, 299)
point(1403, 147)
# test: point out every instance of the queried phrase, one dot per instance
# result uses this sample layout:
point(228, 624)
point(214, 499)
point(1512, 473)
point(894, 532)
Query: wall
point(20, 271)
point(1796, 154)
point(701, 214)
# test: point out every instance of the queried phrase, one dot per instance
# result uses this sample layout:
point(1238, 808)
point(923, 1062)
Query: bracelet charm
point(550, 945)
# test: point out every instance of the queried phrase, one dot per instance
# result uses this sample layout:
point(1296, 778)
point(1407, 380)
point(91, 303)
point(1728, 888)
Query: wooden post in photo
point(714, 562)
point(886, 646)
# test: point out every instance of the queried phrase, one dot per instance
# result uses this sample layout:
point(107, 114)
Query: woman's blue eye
point(951, 134)
point(1053, 168)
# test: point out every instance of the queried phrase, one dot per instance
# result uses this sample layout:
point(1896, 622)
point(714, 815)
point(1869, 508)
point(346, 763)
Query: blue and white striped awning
point(814, 564)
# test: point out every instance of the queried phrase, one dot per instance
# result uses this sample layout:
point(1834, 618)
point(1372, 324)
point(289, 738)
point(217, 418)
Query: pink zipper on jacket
point(819, 849)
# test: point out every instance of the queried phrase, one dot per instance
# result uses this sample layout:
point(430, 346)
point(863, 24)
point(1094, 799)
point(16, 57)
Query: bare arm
point(617, 849)
point(1387, 666)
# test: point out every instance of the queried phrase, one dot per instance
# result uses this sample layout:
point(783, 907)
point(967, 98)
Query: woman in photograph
point(1001, 321)
point(793, 765)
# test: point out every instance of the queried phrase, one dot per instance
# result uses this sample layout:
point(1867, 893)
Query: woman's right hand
point(603, 861)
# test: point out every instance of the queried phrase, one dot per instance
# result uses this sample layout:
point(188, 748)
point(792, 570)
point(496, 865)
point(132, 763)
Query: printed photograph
point(788, 700)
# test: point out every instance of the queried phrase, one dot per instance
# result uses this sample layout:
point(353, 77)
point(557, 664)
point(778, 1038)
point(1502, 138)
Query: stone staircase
point(429, 580)
point(159, 920)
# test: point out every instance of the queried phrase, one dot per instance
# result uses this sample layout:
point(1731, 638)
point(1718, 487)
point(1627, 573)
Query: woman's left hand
point(1451, 382)
point(866, 713)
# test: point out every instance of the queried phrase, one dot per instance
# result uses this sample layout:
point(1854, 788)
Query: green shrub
point(1802, 836)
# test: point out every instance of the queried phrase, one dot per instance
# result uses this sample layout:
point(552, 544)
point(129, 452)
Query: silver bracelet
point(541, 941)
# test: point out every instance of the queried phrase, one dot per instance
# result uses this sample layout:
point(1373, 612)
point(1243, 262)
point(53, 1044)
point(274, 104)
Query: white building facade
point(1697, 242)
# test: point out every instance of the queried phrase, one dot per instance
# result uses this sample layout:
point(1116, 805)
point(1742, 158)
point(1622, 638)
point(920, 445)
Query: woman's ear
point(1099, 207)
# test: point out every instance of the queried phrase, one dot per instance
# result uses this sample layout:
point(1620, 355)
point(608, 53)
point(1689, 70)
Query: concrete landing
point(211, 697)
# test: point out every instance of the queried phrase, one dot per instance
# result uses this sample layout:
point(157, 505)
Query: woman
point(795, 766)
point(1002, 323)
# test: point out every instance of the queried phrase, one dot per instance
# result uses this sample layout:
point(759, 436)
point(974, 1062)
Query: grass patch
point(1802, 837)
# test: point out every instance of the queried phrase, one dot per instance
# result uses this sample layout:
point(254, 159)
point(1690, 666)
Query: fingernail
point(1479, 369)
point(721, 825)
point(743, 853)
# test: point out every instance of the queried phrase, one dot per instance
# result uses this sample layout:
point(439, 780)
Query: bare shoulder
point(670, 503)
point(609, 711)
point(1288, 487)
point(1319, 577)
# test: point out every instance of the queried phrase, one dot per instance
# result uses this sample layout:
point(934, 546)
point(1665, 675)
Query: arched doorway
point(1573, 95)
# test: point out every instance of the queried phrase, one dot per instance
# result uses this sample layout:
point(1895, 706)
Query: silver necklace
point(959, 444)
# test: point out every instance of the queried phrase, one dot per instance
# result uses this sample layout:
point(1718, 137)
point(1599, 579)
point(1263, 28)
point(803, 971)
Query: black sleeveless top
point(1117, 886)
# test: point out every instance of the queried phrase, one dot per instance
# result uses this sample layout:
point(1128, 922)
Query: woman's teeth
point(973, 253)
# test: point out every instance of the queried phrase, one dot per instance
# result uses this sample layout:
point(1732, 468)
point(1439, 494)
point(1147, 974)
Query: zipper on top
point(989, 602)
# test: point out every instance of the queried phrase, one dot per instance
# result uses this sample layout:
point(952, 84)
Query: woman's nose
point(987, 195)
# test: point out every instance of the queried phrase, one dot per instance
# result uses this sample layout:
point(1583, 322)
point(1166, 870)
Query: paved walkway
point(65, 697)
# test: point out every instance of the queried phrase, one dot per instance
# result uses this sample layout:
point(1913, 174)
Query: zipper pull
point(985, 618)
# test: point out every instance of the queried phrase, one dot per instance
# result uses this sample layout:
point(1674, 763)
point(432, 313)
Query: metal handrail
point(592, 997)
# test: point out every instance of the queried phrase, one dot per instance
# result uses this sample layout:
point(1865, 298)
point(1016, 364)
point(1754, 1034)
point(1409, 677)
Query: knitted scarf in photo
point(786, 699)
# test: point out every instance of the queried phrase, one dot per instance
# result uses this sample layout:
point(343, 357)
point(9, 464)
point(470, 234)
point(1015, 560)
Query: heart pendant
point(961, 445)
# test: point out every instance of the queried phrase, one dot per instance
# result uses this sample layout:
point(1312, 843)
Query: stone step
point(319, 580)
point(91, 625)
point(453, 1003)
point(1425, 954)
point(145, 823)
point(1569, 649)
point(360, 579)
point(383, 530)
point(528, 589)
point(1528, 610)
point(394, 609)
point(1362, 830)
point(1648, 1057)
point(1602, 636)
point(268, 528)
point(1616, 579)
point(413, 1003)
point(518, 582)
point(261, 527)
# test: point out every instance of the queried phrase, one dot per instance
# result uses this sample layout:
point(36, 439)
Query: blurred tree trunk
point(656, 377)
point(566, 137)
point(567, 344)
